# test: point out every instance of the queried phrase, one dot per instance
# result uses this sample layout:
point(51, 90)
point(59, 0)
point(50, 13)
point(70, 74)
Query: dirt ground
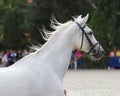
point(92, 83)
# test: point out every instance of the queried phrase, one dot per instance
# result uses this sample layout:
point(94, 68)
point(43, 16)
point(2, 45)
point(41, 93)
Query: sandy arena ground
point(92, 83)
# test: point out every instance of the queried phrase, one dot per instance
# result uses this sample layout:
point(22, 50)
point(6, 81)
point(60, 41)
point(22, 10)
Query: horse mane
point(48, 35)
point(57, 28)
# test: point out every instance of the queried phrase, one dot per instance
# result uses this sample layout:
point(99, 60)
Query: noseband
point(90, 42)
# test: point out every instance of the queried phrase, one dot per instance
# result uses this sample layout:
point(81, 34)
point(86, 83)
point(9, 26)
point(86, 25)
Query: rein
point(90, 42)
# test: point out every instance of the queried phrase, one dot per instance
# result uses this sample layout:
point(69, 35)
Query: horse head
point(85, 39)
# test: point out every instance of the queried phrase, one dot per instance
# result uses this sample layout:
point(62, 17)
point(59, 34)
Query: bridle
point(90, 42)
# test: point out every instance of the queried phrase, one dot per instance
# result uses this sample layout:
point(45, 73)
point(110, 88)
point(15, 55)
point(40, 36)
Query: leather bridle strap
point(92, 48)
point(82, 29)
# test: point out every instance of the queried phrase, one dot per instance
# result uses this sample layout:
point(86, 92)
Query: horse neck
point(56, 53)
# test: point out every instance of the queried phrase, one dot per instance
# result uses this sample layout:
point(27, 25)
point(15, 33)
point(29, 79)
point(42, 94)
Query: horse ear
point(80, 17)
point(84, 19)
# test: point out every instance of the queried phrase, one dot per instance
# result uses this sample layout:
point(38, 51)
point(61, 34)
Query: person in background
point(118, 53)
point(5, 58)
point(1, 54)
point(111, 54)
point(19, 55)
point(24, 53)
point(11, 58)
point(78, 57)
point(0, 61)
point(72, 61)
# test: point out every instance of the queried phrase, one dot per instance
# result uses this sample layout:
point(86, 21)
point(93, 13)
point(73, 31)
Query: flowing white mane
point(57, 27)
point(48, 35)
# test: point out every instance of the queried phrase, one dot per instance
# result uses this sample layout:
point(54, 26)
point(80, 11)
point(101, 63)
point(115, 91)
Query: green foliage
point(13, 24)
point(105, 23)
point(2, 9)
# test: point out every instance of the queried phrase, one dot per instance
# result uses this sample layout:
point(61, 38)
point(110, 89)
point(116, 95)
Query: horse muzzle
point(98, 53)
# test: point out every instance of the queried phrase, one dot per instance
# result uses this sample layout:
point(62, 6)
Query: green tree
point(13, 23)
point(2, 9)
point(105, 22)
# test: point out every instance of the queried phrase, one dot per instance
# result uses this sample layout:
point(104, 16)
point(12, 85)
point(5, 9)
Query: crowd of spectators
point(10, 56)
point(76, 60)
point(114, 53)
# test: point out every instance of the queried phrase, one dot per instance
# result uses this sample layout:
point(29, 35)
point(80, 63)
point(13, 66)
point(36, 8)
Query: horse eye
point(90, 33)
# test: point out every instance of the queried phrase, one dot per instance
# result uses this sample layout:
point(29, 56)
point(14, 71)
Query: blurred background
point(20, 20)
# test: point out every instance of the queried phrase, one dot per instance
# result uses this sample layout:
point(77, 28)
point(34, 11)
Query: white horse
point(41, 73)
